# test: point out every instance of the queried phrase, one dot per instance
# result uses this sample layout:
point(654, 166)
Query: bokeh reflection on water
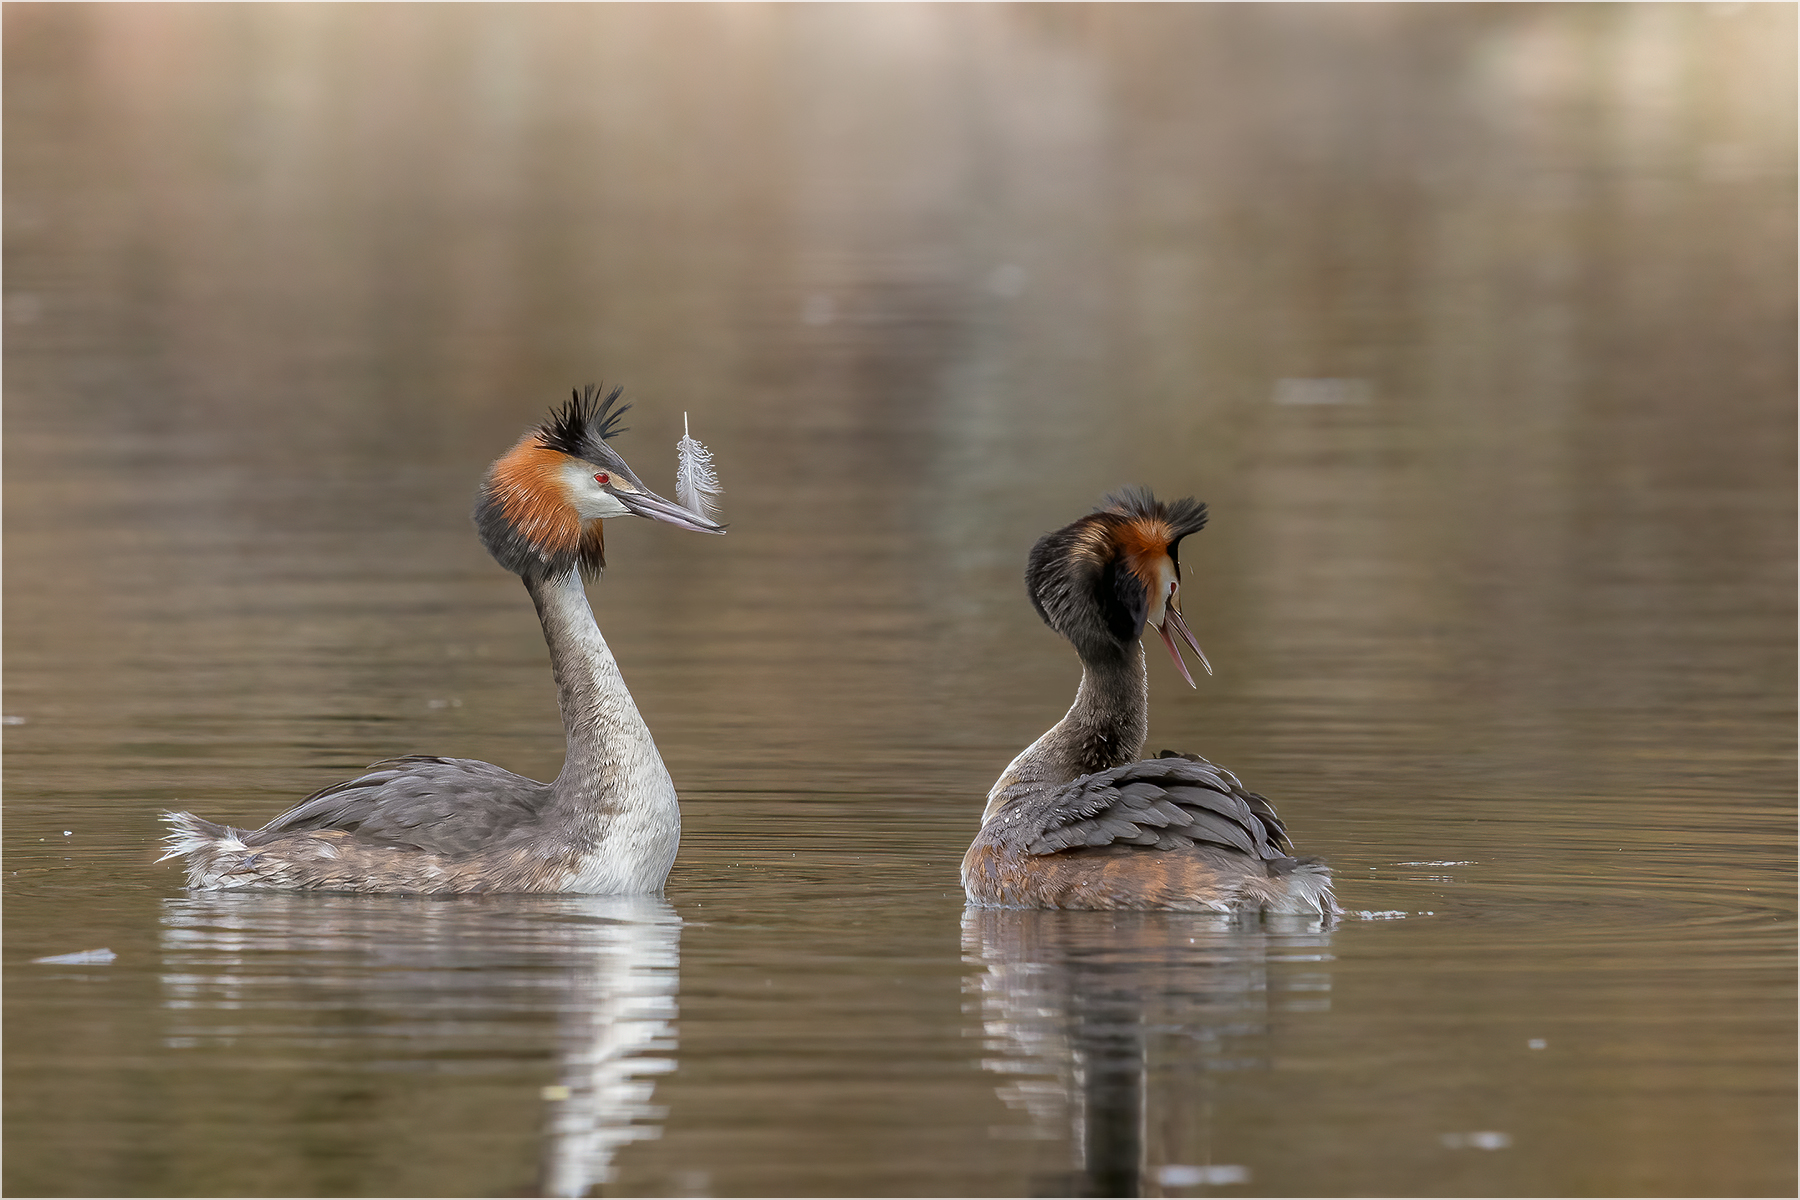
point(1474, 326)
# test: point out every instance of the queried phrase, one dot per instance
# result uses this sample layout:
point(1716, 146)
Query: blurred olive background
point(1473, 324)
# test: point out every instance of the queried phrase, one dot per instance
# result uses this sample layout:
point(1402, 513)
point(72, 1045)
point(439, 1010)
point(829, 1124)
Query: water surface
point(1473, 326)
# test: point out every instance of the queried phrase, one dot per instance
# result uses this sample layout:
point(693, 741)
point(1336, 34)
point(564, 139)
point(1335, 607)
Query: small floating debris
point(1183, 1175)
point(80, 958)
point(1485, 1139)
point(12, 720)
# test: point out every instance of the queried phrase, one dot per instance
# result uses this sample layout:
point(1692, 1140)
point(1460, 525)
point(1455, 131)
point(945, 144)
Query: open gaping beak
point(1172, 616)
point(645, 503)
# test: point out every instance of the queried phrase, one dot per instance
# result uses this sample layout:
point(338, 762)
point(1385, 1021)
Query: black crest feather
point(1186, 515)
point(581, 427)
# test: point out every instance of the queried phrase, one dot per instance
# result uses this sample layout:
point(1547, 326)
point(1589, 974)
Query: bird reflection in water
point(384, 985)
point(1108, 1030)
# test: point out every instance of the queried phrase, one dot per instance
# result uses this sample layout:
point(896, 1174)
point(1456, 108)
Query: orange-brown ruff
point(608, 824)
point(1077, 820)
point(524, 483)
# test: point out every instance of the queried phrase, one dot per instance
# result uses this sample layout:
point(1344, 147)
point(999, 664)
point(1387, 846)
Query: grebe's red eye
point(602, 477)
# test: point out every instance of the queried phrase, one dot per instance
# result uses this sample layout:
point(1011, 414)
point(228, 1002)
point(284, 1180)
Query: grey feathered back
point(1165, 803)
point(451, 806)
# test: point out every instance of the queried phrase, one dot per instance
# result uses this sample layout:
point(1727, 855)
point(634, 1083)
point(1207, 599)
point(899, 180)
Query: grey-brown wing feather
point(1165, 803)
point(445, 805)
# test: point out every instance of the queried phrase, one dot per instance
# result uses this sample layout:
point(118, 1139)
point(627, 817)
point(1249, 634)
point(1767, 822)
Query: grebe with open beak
point(1077, 820)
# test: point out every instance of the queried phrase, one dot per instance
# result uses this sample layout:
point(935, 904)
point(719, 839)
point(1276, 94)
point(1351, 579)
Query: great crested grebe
point(608, 824)
point(1077, 821)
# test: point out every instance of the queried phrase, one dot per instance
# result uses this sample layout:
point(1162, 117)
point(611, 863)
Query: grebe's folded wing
point(448, 806)
point(1259, 804)
point(1165, 803)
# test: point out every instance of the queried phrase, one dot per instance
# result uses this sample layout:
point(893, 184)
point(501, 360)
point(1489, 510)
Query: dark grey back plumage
point(449, 806)
point(1162, 803)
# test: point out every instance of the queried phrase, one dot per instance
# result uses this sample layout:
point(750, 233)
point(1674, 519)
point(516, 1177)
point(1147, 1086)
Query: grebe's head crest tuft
point(1174, 519)
point(1099, 580)
point(582, 427)
point(540, 508)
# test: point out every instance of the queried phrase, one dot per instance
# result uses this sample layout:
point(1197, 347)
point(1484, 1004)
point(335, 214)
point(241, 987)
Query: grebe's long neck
point(614, 803)
point(1105, 727)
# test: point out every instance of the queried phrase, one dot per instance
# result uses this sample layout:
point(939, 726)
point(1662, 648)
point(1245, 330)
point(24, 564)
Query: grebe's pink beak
point(646, 503)
point(1172, 616)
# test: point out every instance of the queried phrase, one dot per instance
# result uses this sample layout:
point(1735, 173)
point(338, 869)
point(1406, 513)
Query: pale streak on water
point(1474, 326)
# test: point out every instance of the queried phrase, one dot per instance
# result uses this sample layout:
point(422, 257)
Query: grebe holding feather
point(609, 823)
